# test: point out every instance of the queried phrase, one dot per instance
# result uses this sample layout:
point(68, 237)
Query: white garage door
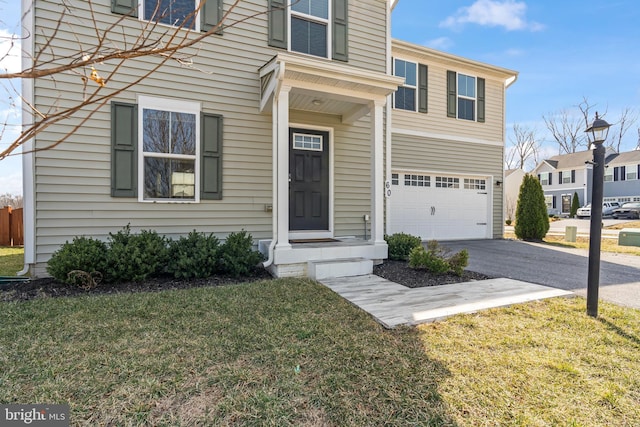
point(439, 207)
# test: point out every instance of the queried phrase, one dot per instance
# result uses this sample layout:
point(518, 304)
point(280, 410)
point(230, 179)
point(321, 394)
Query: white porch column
point(377, 172)
point(282, 110)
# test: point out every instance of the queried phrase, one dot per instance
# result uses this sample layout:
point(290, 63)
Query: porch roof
point(324, 86)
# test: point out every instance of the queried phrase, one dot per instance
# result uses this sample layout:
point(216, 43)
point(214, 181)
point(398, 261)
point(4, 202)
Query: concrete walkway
point(392, 304)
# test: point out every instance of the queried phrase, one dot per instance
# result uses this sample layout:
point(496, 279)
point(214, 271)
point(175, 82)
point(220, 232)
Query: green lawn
point(291, 352)
point(11, 260)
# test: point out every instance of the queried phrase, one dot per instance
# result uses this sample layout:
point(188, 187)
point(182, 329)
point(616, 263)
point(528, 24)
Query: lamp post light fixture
point(597, 133)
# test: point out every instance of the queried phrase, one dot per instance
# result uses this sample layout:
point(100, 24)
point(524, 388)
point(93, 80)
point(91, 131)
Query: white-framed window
point(466, 97)
point(415, 180)
point(544, 178)
point(179, 13)
point(631, 172)
point(169, 135)
point(548, 200)
point(566, 177)
point(447, 182)
point(303, 141)
point(405, 96)
point(475, 184)
point(309, 23)
point(394, 179)
point(608, 174)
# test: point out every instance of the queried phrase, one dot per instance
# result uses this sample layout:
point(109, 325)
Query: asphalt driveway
point(556, 267)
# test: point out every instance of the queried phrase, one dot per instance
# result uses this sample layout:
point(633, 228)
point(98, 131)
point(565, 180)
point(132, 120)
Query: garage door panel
point(439, 213)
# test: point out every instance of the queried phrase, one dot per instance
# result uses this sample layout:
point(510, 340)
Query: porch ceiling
point(323, 86)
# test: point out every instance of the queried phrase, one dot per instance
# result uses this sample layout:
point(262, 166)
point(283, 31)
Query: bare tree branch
point(524, 148)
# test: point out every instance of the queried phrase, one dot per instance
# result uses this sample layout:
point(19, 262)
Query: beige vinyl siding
point(436, 120)
point(452, 157)
point(72, 185)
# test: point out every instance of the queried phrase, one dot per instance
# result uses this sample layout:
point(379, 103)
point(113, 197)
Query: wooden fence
point(11, 227)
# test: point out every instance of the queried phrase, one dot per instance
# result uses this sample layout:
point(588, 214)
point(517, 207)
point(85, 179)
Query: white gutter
point(274, 166)
point(388, 121)
point(28, 156)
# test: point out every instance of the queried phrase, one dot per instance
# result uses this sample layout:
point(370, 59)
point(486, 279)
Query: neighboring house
point(289, 138)
point(512, 182)
point(563, 175)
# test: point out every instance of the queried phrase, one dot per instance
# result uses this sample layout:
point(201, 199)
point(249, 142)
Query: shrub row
point(435, 258)
point(129, 257)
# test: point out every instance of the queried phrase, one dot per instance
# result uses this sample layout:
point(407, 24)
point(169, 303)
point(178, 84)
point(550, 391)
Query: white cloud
point(10, 51)
point(509, 14)
point(441, 43)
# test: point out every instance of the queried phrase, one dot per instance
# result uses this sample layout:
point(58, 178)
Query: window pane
point(156, 131)
point(405, 69)
point(308, 37)
point(410, 76)
point(169, 179)
point(317, 8)
point(466, 109)
point(183, 133)
point(405, 99)
point(171, 12)
point(466, 86)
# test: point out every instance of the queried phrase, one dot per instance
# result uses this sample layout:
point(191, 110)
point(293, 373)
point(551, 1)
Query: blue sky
point(564, 50)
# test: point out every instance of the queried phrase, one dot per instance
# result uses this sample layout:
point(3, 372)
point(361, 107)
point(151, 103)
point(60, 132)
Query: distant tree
point(524, 148)
point(567, 127)
point(532, 220)
point(627, 119)
point(575, 204)
point(10, 200)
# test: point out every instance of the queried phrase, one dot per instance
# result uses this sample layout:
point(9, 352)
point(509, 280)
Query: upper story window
point(608, 174)
point(545, 178)
point(405, 96)
point(180, 13)
point(309, 27)
point(313, 27)
point(632, 172)
point(465, 97)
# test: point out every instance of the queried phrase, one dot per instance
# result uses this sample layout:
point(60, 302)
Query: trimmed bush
point(508, 222)
point(135, 257)
point(83, 255)
point(195, 255)
point(575, 205)
point(437, 260)
point(401, 244)
point(238, 258)
point(532, 219)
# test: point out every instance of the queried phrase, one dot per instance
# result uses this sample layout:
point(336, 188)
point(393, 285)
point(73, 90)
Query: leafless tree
point(524, 148)
point(567, 127)
point(8, 199)
point(96, 61)
point(627, 119)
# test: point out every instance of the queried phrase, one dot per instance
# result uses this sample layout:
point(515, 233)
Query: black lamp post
point(596, 133)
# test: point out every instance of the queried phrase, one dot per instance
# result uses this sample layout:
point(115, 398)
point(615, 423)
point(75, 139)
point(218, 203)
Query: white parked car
point(607, 209)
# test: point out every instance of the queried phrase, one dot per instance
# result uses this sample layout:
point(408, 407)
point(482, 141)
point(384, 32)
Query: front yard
point(291, 352)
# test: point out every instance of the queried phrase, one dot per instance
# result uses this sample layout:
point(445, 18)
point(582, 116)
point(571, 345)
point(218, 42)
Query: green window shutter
point(210, 15)
point(124, 148)
point(340, 34)
point(278, 24)
point(125, 7)
point(211, 157)
point(422, 88)
point(452, 94)
point(481, 100)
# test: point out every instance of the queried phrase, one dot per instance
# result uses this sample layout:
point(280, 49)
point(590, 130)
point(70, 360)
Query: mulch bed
point(400, 272)
point(396, 271)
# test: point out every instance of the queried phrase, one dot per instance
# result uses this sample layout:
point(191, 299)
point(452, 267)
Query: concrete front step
point(347, 267)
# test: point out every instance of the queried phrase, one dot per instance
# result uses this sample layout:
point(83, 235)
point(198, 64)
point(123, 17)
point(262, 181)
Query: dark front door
point(309, 180)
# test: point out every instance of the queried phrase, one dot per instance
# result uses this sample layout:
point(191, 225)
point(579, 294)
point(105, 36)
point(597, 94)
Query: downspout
point(274, 167)
point(28, 181)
